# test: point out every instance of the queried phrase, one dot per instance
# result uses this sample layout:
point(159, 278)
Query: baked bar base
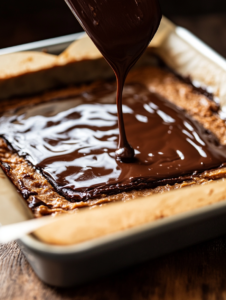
point(41, 196)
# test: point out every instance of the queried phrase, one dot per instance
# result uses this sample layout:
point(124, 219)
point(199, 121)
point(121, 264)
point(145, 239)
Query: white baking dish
point(76, 264)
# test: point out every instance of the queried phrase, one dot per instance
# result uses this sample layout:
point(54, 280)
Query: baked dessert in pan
point(20, 143)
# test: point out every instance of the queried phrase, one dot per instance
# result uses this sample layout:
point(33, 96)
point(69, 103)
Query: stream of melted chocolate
point(121, 30)
point(73, 142)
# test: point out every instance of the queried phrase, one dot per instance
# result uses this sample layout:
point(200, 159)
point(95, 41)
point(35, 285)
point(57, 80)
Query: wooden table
point(198, 272)
point(195, 273)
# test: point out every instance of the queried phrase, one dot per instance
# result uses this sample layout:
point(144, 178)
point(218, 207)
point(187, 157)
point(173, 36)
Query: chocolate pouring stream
point(72, 141)
point(121, 30)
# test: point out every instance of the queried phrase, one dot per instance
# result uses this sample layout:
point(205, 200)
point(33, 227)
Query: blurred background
point(24, 21)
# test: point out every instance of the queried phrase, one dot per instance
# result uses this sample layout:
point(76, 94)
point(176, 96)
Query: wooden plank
point(195, 273)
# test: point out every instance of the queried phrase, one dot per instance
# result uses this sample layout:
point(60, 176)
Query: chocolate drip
point(121, 30)
point(73, 142)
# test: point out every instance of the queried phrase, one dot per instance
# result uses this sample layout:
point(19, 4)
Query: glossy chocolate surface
point(73, 142)
point(121, 30)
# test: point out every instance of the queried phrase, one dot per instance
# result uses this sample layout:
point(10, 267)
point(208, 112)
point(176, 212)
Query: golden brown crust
point(118, 217)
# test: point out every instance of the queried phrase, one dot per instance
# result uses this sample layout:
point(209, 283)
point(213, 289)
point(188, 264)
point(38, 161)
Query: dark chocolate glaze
point(121, 30)
point(73, 142)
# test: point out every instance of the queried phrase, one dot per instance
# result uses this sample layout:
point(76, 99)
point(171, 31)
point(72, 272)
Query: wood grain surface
point(198, 272)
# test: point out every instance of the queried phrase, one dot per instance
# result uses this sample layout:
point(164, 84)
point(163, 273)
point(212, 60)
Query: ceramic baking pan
point(64, 255)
